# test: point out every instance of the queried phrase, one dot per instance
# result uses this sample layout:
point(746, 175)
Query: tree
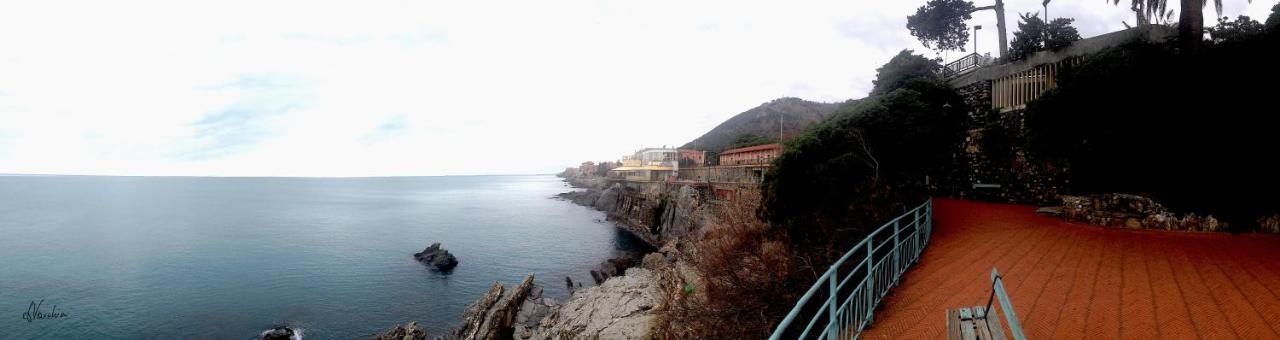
point(1273, 21)
point(1242, 28)
point(1190, 19)
point(1035, 35)
point(941, 24)
point(903, 68)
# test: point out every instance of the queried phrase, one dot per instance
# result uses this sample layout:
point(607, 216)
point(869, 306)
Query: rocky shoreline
point(620, 306)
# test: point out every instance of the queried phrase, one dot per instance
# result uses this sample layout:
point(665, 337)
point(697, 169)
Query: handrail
point(965, 63)
point(847, 311)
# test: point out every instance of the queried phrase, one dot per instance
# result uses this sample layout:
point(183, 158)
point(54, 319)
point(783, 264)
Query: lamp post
point(975, 38)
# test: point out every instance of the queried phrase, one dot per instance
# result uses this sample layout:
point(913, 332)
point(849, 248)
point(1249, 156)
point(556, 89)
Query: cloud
point(229, 132)
point(304, 88)
point(391, 127)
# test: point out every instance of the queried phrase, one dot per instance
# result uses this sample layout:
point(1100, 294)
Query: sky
point(412, 88)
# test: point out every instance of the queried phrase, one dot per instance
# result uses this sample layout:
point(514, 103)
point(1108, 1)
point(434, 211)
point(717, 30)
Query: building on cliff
point(643, 173)
point(759, 154)
point(648, 165)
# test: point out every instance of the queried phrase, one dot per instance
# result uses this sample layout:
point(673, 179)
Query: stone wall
point(993, 163)
point(1134, 212)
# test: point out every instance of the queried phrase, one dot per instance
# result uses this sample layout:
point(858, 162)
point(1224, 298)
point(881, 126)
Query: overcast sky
point(380, 88)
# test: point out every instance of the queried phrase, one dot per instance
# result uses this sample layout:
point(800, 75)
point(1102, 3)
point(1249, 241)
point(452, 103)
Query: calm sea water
point(226, 258)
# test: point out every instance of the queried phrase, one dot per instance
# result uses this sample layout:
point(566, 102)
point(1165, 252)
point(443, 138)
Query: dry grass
point(740, 271)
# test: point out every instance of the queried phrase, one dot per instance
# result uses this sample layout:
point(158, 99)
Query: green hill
point(760, 124)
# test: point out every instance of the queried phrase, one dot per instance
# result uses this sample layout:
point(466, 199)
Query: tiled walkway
point(1073, 281)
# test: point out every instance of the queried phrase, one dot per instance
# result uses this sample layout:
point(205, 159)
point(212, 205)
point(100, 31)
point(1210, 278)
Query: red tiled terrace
point(1074, 281)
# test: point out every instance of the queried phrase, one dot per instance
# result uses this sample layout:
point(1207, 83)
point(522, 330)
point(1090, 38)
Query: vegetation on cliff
point(866, 163)
point(842, 176)
point(760, 124)
point(1125, 121)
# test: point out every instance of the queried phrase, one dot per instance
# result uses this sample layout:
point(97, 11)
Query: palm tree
point(1190, 20)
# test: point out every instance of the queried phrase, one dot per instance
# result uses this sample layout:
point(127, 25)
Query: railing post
point(871, 282)
point(897, 266)
point(832, 330)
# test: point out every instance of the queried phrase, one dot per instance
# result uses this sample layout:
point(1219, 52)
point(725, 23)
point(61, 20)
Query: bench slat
point(966, 325)
point(981, 324)
point(953, 324)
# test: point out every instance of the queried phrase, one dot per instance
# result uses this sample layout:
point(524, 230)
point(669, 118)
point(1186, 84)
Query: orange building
point(759, 154)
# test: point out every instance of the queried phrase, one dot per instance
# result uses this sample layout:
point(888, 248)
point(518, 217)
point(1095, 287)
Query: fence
point(964, 64)
point(848, 301)
point(1012, 92)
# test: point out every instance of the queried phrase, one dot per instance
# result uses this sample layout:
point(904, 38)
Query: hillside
point(762, 123)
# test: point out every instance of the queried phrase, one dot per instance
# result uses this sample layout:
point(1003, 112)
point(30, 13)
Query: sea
point(101, 257)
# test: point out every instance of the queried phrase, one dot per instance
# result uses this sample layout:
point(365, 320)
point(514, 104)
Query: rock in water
point(280, 333)
point(437, 258)
point(410, 331)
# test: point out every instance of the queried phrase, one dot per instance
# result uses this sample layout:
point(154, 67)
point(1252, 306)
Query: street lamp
point(975, 38)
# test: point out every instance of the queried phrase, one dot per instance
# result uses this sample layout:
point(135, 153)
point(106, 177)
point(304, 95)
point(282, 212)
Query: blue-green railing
point(849, 290)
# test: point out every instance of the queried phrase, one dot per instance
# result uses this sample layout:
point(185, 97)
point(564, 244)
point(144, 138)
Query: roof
point(752, 148)
point(1077, 281)
point(642, 167)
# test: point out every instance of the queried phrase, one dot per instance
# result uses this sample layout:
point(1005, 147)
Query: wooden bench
point(981, 322)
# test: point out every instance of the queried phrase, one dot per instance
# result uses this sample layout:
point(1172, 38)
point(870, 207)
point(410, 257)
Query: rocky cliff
point(620, 307)
point(655, 212)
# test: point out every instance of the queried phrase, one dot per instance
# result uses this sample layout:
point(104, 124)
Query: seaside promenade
point(1072, 281)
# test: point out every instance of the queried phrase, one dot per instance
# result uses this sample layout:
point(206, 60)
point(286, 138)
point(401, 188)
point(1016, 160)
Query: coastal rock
point(410, 331)
point(620, 308)
point(612, 267)
point(658, 212)
point(530, 314)
point(582, 197)
point(280, 333)
point(495, 315)
point(438, 259)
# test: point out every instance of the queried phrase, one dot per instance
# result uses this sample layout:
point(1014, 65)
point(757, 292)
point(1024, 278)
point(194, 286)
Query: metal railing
point(849, 300)
point(965, 63)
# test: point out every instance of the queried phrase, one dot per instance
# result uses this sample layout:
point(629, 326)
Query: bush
point(861, 166)
point(745, 272)
point(903, 68)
